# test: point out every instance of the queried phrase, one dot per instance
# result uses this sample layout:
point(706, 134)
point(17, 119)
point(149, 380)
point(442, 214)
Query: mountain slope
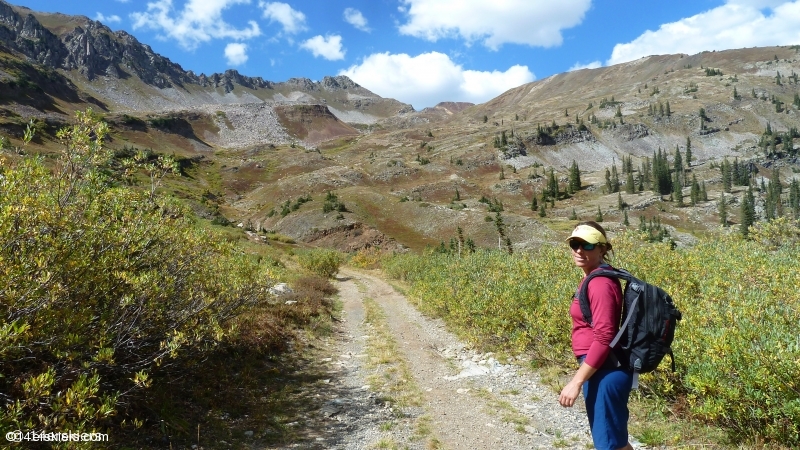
point(252, 148)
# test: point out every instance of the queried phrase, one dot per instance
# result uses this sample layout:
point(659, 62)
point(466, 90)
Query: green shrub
point(102, 286)
point(736, 349)
point(322, 262)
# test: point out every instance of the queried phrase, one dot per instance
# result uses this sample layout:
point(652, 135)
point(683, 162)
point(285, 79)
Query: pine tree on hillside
point(552, 185)
point(574, 177)
point(688, 152)
point(725, 168)
point(694, 195)
point(748, 212)
point(662, 178)
point(794, 198)
point(630, 188)
point(722, 208)
point(599, 216)
point(677, 191)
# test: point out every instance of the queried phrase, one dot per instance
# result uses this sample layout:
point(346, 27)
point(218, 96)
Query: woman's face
point(587, 260)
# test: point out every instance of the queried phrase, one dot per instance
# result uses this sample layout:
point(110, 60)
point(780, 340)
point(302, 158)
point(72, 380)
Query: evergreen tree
point(677, 192)
point(688, 152)
point(599, 216)
point(625, 221)
point(794, 198)
point(574, 177)
point(703, 193)
point(646, 172)
point(574, 215)
point(725, 168)
point(748, 212)
point(534, 203)
point(552, 185)
point(630, 188)
point(662, 178)
point(678, 166)
point(774, 193)
point(614, 178)
point(608, 181)
point(668, 111)
point(722, 208)
point(620, 203)
point(501, 231)
point(695, 192)
point(735, 94)
point(471, 247)
point(542, 211)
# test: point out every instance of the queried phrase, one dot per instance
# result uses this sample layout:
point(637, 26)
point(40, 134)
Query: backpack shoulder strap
point(583, 293)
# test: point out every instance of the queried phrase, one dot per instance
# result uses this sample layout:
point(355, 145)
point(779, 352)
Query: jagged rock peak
point(339, 82)
point(303, 83)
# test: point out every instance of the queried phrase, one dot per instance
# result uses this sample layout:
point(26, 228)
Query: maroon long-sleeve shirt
point(605, 301)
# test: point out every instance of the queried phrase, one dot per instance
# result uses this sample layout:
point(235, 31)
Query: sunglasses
point(575, 244)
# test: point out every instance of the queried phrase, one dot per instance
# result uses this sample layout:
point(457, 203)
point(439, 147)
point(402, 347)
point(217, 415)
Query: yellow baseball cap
point(588, 234)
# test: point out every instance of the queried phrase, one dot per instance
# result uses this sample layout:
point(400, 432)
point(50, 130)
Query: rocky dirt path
point(430, 390)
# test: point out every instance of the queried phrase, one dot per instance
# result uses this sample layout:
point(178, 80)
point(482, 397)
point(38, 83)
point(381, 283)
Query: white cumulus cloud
point(199, 21)
point(293, 21)
point(236, 53)
point(737, 24)
point(591, 65)
point(107, 19)
point(328, 47)
point(535, 23)
point(429, 78)
point(356, 19)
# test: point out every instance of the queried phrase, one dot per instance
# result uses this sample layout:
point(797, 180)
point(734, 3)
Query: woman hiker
point(606, 387)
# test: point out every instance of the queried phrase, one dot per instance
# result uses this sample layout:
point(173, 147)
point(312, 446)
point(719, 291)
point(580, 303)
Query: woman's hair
point(598, 227)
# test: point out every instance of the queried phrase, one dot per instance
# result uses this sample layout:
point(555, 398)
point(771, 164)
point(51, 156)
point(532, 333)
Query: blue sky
point(426, 51)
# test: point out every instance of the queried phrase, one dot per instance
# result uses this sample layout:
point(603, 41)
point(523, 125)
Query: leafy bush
point(101, 286)
point(322, 262)
point(367, 258)
point(736, 349)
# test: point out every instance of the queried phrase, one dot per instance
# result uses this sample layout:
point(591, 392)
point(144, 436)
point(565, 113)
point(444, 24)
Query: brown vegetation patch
point(312, 123)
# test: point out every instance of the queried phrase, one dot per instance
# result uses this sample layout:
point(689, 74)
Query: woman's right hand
point(570, 393)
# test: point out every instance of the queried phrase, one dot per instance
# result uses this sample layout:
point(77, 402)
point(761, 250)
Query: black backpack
point(650, 318)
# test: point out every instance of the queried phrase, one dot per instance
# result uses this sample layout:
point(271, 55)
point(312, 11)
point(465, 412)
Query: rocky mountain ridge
point(121, 71)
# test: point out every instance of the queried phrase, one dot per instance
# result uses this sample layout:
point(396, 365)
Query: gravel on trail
point(468, 399)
